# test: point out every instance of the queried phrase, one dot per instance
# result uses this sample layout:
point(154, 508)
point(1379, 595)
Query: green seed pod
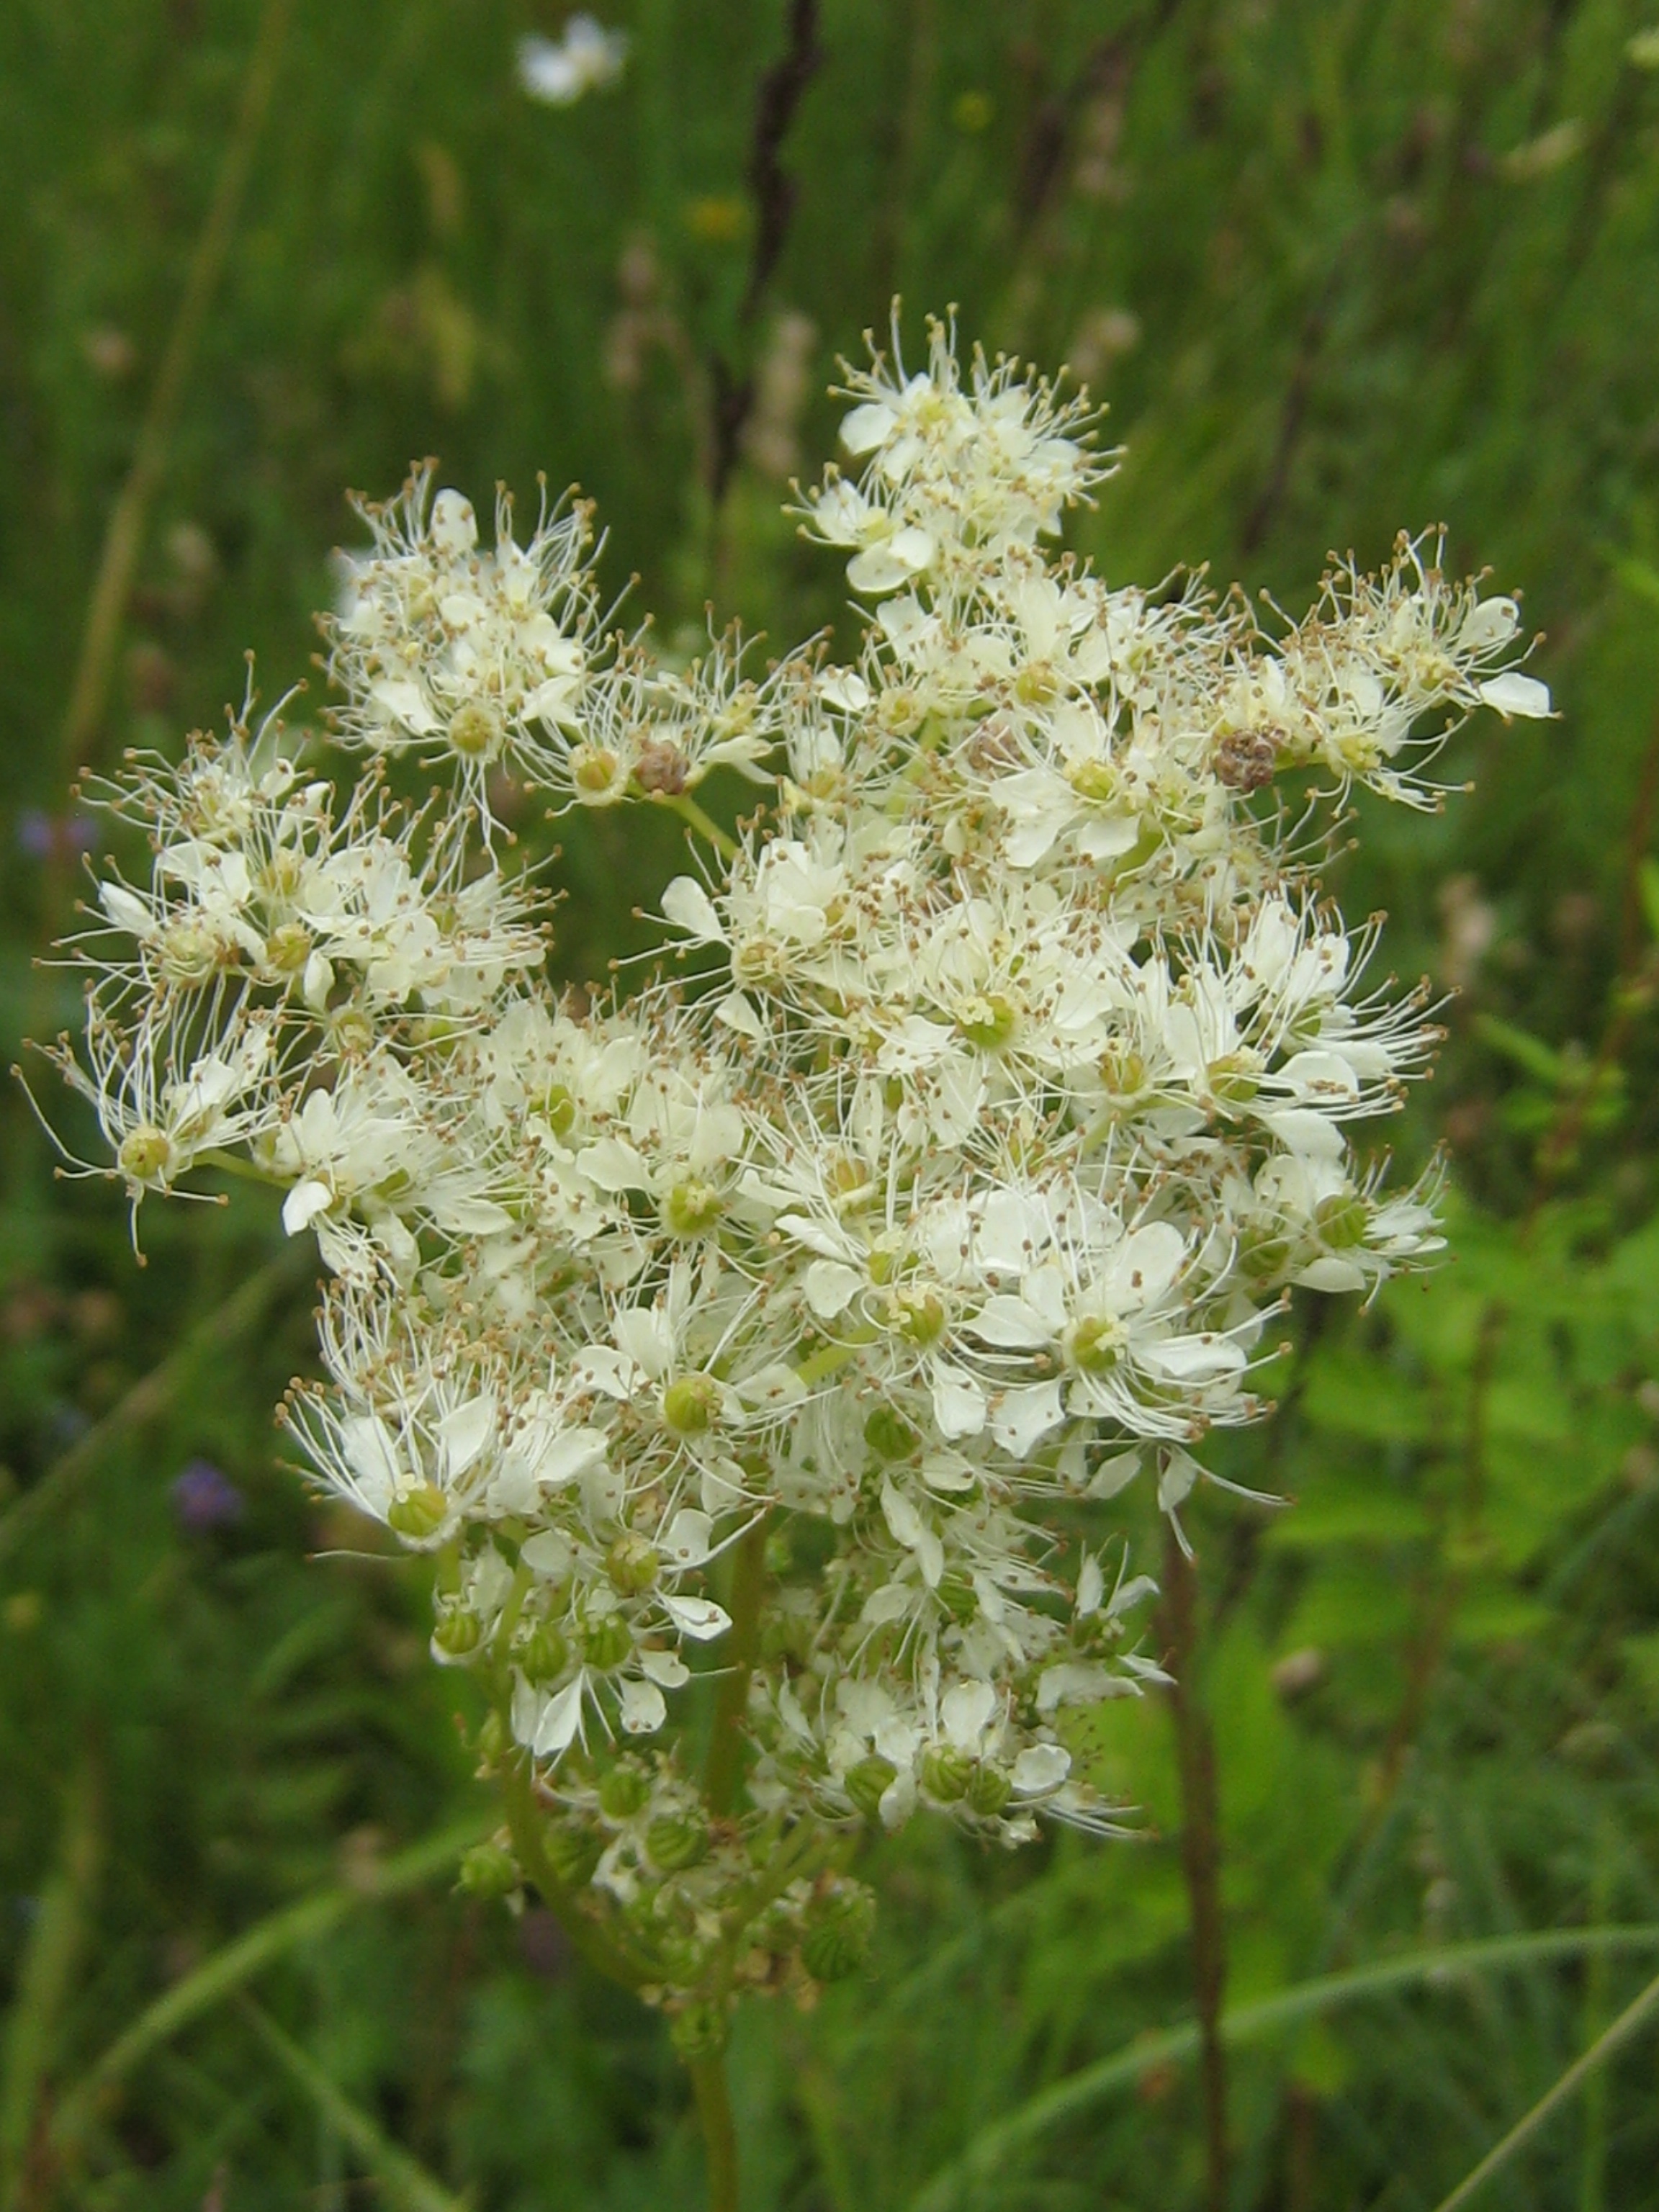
point(494, 1739)
point(677, 1841)
point(919, 1315)
point(691, 1207)
point(144, 1153)
point(489, 1870)
point(838, 1936)
point(689, 1404)
point(543, 1653)
point(988, 1790)
point(865, 1782)
point(1095, 1344)
point(475, 731)
point(457, 1635)
point(287, 948)
point(889, 1435)
point(682, 1961)
point(1342, 1220)
point(607, 1642)
point(1234, 1079)
point(558, 1109)
point(632, 1564)
point(989, 1022)
point(418, 1514)
point(1262, 1258)
point(622, 1792)
point(573, 1852)
point(946, 1773)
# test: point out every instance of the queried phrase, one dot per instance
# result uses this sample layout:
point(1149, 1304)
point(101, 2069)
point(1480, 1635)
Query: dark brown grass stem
point(1200, 1854)
point(776, 192)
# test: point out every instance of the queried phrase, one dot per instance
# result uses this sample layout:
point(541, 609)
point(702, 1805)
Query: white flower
point(587, 58)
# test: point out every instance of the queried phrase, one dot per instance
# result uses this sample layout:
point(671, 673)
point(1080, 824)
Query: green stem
point(725, 1745)
point(591, 1943)
point(720, 2137)
point(690, 812)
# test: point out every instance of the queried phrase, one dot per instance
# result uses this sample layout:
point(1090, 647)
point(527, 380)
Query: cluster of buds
point(749, 1352)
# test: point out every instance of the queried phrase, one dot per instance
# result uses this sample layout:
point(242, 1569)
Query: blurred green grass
point(1337, 268)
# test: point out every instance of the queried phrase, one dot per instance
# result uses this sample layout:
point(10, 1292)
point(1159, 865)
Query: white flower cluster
point(777, 1323)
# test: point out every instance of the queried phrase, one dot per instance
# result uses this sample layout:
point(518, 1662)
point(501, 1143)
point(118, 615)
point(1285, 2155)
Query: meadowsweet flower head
point(760, 1335)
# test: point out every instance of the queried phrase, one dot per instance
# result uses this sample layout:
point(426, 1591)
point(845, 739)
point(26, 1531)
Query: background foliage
point(1339, 266)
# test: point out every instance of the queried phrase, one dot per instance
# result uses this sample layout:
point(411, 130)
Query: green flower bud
point(946, 1773)
point(690, 1406)
point(489, 1870)
point(457, 1634)
point(607, 1642)
point(988, 1790)
point(837, 1938)
point(622, 1792)
point(543, 1653)
point(418, 1514)
point(573, 1852)
point(677, 1841)
point(865, 1782)
point(494, 1739)
point(889, 1435)
point(631, 1564)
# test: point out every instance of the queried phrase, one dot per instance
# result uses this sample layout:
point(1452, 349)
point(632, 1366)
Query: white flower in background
point(778, 1320)
point(587, 58)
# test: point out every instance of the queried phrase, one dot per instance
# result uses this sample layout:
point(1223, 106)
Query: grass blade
point(405, 2179)
point(225, 1971)
point(1576, 2075)
point(993, 2145)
